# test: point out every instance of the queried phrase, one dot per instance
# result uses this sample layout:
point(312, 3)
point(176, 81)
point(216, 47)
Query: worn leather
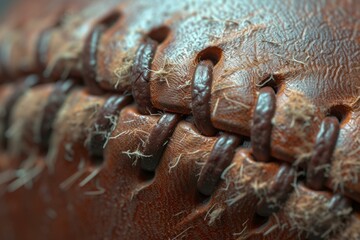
point(307, 51)
point(26, 23)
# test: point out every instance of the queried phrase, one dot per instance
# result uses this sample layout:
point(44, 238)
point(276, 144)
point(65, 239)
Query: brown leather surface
point(121, 190)
point(20, 31)
point(307, 51)
point(25, 24)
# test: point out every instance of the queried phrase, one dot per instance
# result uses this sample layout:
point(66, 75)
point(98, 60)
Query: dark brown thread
point(29, 82)
point(89, 57)
point(278, 192)
point(42, 44)
point(323, 150)
point(140, 76)
point(261, 138)
point(53, 105)
point(262, 125)
point(104, 124)
point(89, 60)
point(157, 141)
point(316, 169)
point(141, 70)
point(201, 96)
point(220, 158)
point(324, 146)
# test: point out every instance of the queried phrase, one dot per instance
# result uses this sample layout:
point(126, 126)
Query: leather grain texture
point(123, 119)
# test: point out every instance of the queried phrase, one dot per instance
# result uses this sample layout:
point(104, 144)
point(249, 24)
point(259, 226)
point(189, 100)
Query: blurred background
point(4, 4)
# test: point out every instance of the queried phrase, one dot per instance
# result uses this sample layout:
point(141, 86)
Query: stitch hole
point(61, 19)
point(213, 54)
point(146, 176)
point(259, 222)
point(271, 80)
point(201, 199)
point(246, 142)
point(159, 34)
point(110, 20)
point(341, 112)
point(355, 206)
point(97, 161)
